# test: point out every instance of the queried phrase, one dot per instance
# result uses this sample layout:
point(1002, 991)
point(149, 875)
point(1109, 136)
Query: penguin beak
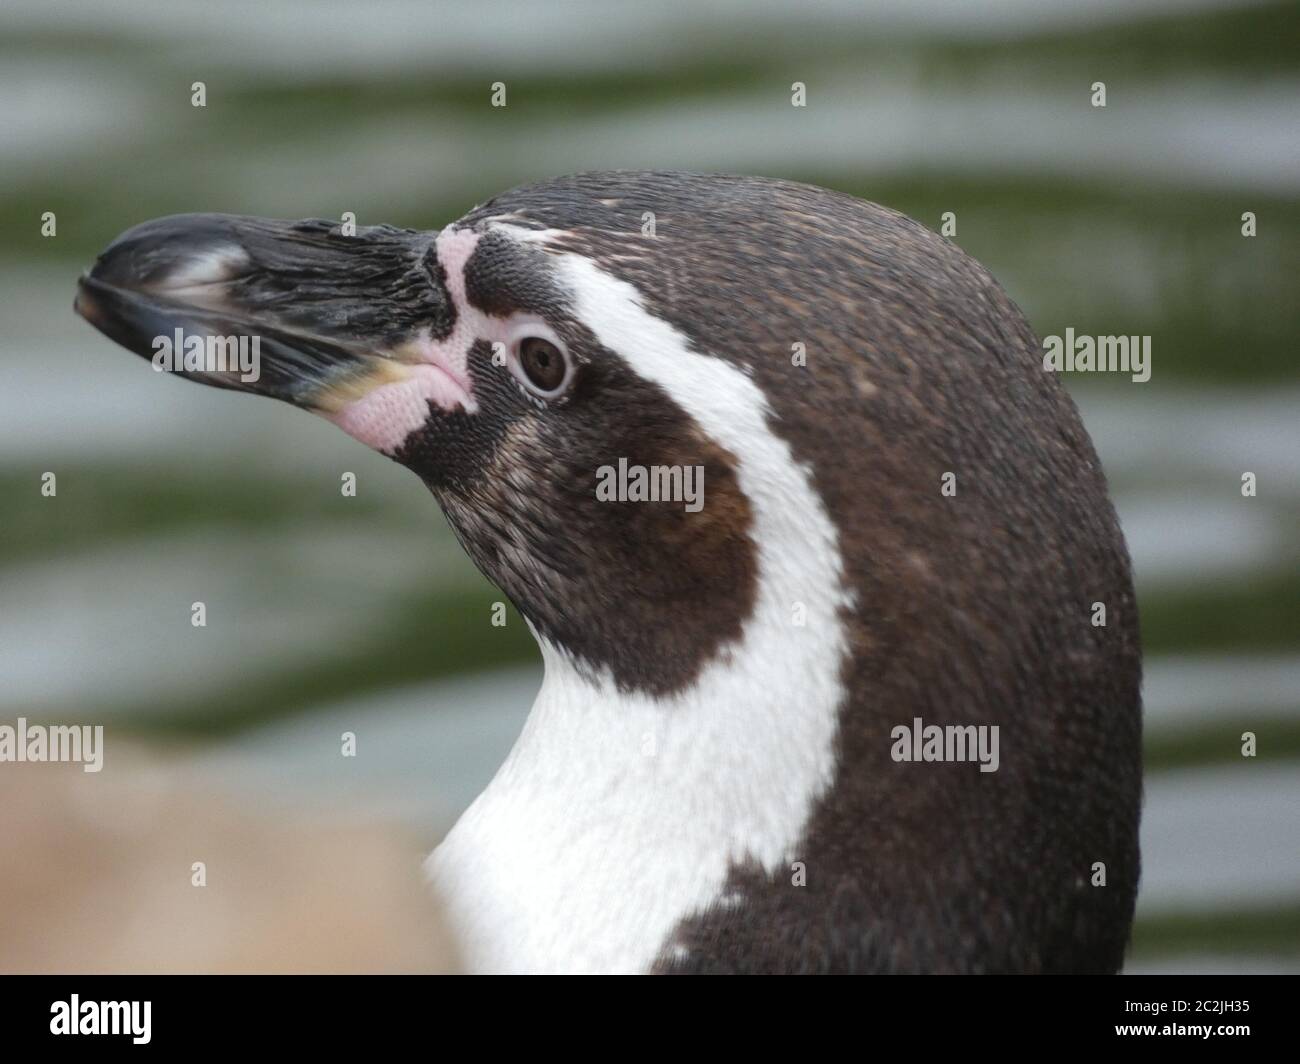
point(299, 311)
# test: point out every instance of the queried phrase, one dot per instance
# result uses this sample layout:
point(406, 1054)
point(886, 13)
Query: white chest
point(615, 818)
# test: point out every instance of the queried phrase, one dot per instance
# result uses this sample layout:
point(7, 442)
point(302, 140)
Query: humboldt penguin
point(872, 707)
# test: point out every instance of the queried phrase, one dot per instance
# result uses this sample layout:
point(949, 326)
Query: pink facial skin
point(389, 413)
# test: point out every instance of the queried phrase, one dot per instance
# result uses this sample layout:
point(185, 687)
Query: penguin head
point(583, 452)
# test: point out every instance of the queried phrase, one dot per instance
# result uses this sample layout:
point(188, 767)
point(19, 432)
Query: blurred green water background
point(328, 613)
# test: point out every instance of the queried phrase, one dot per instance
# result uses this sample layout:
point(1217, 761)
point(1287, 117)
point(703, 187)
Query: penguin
point(741, 758)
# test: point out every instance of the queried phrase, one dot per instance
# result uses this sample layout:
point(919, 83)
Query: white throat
point(616, 816)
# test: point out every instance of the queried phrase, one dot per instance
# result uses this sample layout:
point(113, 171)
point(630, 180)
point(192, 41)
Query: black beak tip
point(83, 303)
point(150, 253)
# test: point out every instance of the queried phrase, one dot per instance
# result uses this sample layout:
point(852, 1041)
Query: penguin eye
point(543, 365)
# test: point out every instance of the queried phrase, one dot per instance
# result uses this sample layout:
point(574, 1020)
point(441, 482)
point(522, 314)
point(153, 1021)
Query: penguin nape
point(711, 778)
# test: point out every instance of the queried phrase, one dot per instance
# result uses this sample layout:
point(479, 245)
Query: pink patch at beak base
point(435, 371)
point(385, 416)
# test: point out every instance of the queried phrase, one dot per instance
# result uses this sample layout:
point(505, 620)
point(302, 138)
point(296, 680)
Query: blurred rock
point(98, 869)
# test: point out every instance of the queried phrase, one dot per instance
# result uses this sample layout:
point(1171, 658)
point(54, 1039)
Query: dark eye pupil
point(542, 364)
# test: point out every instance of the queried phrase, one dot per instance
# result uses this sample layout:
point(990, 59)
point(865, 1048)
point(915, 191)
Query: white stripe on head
point(586, 850)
